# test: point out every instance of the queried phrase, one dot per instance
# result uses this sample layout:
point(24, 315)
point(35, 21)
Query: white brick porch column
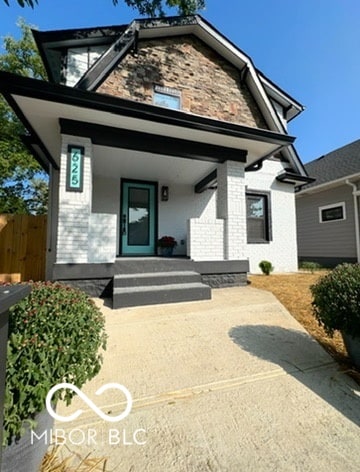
point(74, 207)
point(231, 206)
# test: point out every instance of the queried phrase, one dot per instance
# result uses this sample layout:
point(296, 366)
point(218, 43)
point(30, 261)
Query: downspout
point(356, 193)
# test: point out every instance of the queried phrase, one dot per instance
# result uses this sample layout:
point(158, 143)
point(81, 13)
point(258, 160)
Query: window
point(167, 97)
point(258, 217)
point(79, 61)
point(334, 212)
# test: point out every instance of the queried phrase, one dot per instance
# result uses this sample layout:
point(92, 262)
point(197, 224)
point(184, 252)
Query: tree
point(23, 184)
point(146, 7)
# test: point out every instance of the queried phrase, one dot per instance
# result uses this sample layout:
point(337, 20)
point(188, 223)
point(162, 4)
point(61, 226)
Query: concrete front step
point(156, 278)
point(156, 294)
point(137, 265)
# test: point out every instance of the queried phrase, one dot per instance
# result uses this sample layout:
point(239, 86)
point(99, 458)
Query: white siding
point(82, 236)
point(182, 205)
point(231, 208)
point(102, 238)
point(282, 250)
point(74, 208)
point(207, 239)
point(106, 199)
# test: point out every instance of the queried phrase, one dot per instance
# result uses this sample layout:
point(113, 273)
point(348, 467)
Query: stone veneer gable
point(209, 85)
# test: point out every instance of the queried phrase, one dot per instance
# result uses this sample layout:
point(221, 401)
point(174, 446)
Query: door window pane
point(138, 216)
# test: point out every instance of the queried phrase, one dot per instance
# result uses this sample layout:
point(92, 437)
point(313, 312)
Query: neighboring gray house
point(328, 209)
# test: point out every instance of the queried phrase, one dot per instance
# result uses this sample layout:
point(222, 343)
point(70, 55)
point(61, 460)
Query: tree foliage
point(23, 185)
point(145, 7)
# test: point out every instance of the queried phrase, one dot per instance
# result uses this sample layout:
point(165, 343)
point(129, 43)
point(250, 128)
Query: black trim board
point(100, 70)
point(146, 142)
point(24, 86)
point(221, 267)
point(293, 178)
point(12, 294)
point(207, 182)
point(75, 271)
point(34, 136)
point(268, 214)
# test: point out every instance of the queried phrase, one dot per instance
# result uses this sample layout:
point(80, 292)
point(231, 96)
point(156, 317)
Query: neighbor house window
point(167, 97)
point(334, 212)
point(258, 217)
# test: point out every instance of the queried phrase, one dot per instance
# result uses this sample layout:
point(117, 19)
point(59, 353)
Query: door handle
point(123, 224)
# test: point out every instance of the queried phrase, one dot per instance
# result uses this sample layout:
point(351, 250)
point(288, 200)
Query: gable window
point(258, 217)
point(167, 97)
point(334, 212)
point(79, 61)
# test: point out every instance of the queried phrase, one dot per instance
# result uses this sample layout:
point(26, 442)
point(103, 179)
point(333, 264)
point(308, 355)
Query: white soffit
point(112, 162)
point(44, 118)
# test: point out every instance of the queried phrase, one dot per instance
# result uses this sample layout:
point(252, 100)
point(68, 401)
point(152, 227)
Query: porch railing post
point(9, 296)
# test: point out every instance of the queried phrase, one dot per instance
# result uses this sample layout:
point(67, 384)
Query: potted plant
point(336, 305)
point(55, 336)
point(167, 244)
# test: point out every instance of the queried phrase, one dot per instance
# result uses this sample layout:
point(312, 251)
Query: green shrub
point(266, 267)
point(312, 266)
point(55, 335)
point(336, 300)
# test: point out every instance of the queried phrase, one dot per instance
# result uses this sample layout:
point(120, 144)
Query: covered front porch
point(139, 186)
point(123, 174)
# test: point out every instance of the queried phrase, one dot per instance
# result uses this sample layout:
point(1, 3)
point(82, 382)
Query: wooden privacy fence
point(22, 247)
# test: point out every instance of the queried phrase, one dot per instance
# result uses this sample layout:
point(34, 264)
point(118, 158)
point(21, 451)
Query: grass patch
point(55, 462)
point(293, 291)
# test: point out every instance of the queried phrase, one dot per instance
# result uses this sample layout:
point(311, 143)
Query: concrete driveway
point(228, 385)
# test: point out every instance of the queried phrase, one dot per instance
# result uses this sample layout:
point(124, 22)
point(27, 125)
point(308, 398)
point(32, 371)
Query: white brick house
point(162, 127)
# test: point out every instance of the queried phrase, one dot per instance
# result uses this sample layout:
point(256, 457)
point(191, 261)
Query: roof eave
point(15, 86)
point(329, 185)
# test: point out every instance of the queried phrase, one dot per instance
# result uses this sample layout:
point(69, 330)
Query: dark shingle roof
point(337, 164)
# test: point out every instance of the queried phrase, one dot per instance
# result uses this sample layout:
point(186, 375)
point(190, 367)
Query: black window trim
point(268, 219)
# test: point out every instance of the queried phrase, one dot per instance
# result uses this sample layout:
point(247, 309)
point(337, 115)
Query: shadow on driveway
point(304, 359)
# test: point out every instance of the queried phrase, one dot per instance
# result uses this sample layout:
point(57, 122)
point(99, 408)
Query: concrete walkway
point(229, 385)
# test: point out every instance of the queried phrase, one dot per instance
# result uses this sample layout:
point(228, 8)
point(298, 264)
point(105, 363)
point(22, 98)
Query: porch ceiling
point(113, 162)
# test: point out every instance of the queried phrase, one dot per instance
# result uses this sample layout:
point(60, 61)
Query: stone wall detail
point(209, 85)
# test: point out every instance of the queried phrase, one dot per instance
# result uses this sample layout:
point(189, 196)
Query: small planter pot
point(167, 251)
point(352, 345)
point(27, 454)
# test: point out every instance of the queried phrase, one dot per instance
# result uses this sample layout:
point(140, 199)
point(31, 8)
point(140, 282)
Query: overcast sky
point(310, 48)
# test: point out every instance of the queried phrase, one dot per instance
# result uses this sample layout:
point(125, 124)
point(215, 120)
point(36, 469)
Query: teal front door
point(138, 218)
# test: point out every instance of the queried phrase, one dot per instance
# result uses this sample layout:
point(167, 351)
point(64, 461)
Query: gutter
point(356, 194)
point(330, 184)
